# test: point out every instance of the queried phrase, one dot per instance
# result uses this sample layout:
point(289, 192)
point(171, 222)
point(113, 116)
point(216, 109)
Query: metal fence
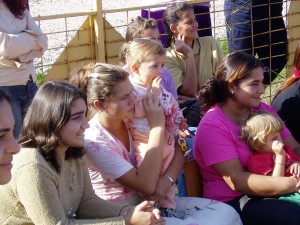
point(78, 38)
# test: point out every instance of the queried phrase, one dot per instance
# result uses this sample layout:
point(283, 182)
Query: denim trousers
point(257, 27)
point(21, 97)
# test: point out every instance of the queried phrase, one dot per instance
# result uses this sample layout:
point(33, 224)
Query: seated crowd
point(108, 146)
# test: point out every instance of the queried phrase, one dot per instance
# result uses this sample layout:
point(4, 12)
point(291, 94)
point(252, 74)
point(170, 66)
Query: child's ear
point(135, 68)
point(98, 105)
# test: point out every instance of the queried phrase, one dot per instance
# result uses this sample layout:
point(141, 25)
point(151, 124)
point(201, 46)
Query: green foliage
point(40, 75)
point(224, 46)
point(270, 90)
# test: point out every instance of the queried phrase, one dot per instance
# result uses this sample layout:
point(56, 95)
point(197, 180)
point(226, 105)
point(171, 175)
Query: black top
point(287, 105)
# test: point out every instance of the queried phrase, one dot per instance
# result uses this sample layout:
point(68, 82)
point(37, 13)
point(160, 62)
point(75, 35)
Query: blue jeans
point(21, 97)
point(181, 181)
point(258, 29)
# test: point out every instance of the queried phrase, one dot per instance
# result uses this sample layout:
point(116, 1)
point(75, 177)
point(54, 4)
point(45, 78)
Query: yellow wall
point(80, 51)
point(82, 48)
point(293, 28)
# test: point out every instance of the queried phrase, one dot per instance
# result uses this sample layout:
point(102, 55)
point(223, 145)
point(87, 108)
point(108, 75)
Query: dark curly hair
point(17, 7)
point(172, 15)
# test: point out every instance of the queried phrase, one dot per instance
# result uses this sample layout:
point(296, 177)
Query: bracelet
point(170, 179)
point(279, 163)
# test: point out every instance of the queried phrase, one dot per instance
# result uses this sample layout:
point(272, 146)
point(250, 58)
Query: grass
point(224, 46)
point(40, 75)
point(270, 90)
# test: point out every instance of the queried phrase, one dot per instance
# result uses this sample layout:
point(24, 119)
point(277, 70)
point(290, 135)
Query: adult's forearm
point(190, 82)
point(261, 185)
point(176, 164)
point(149, 170)
point(14, 45)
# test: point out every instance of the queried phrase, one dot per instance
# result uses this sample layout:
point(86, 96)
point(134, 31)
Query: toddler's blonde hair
point(258, 126)
point(139, 49)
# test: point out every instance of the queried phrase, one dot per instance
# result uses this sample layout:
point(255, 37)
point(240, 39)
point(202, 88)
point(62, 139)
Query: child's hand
point(183, 128)
point(294, 169)
point(183, 125)
point(153, 110)
point(277, 148)
point(156, 88)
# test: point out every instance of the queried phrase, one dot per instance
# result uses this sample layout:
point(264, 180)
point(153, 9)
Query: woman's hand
point(162, 189)
point(294, 169)
point(181, 46)
point(143, 214)
point(190, 82)
point(154, 111)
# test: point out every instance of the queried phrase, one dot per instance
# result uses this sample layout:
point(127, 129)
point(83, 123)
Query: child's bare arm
point(279, 160)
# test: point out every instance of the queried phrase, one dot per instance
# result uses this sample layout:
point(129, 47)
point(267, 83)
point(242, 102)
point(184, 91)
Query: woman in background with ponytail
point(287, 100)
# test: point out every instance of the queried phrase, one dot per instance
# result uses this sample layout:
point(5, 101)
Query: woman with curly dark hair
point(21, 41)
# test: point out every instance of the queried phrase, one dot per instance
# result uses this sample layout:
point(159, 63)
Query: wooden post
point(99, 33)
point(193, 179)
point(293, 29)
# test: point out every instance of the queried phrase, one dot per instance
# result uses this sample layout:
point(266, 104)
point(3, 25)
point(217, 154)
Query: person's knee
point(229, 210)
point(293, 213)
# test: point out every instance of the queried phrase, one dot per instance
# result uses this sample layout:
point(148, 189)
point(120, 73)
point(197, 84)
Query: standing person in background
point(287, 99)
point(222, 156)
point(50, 182)
point(257, 27)
point(8, 144)
point(21, 41)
